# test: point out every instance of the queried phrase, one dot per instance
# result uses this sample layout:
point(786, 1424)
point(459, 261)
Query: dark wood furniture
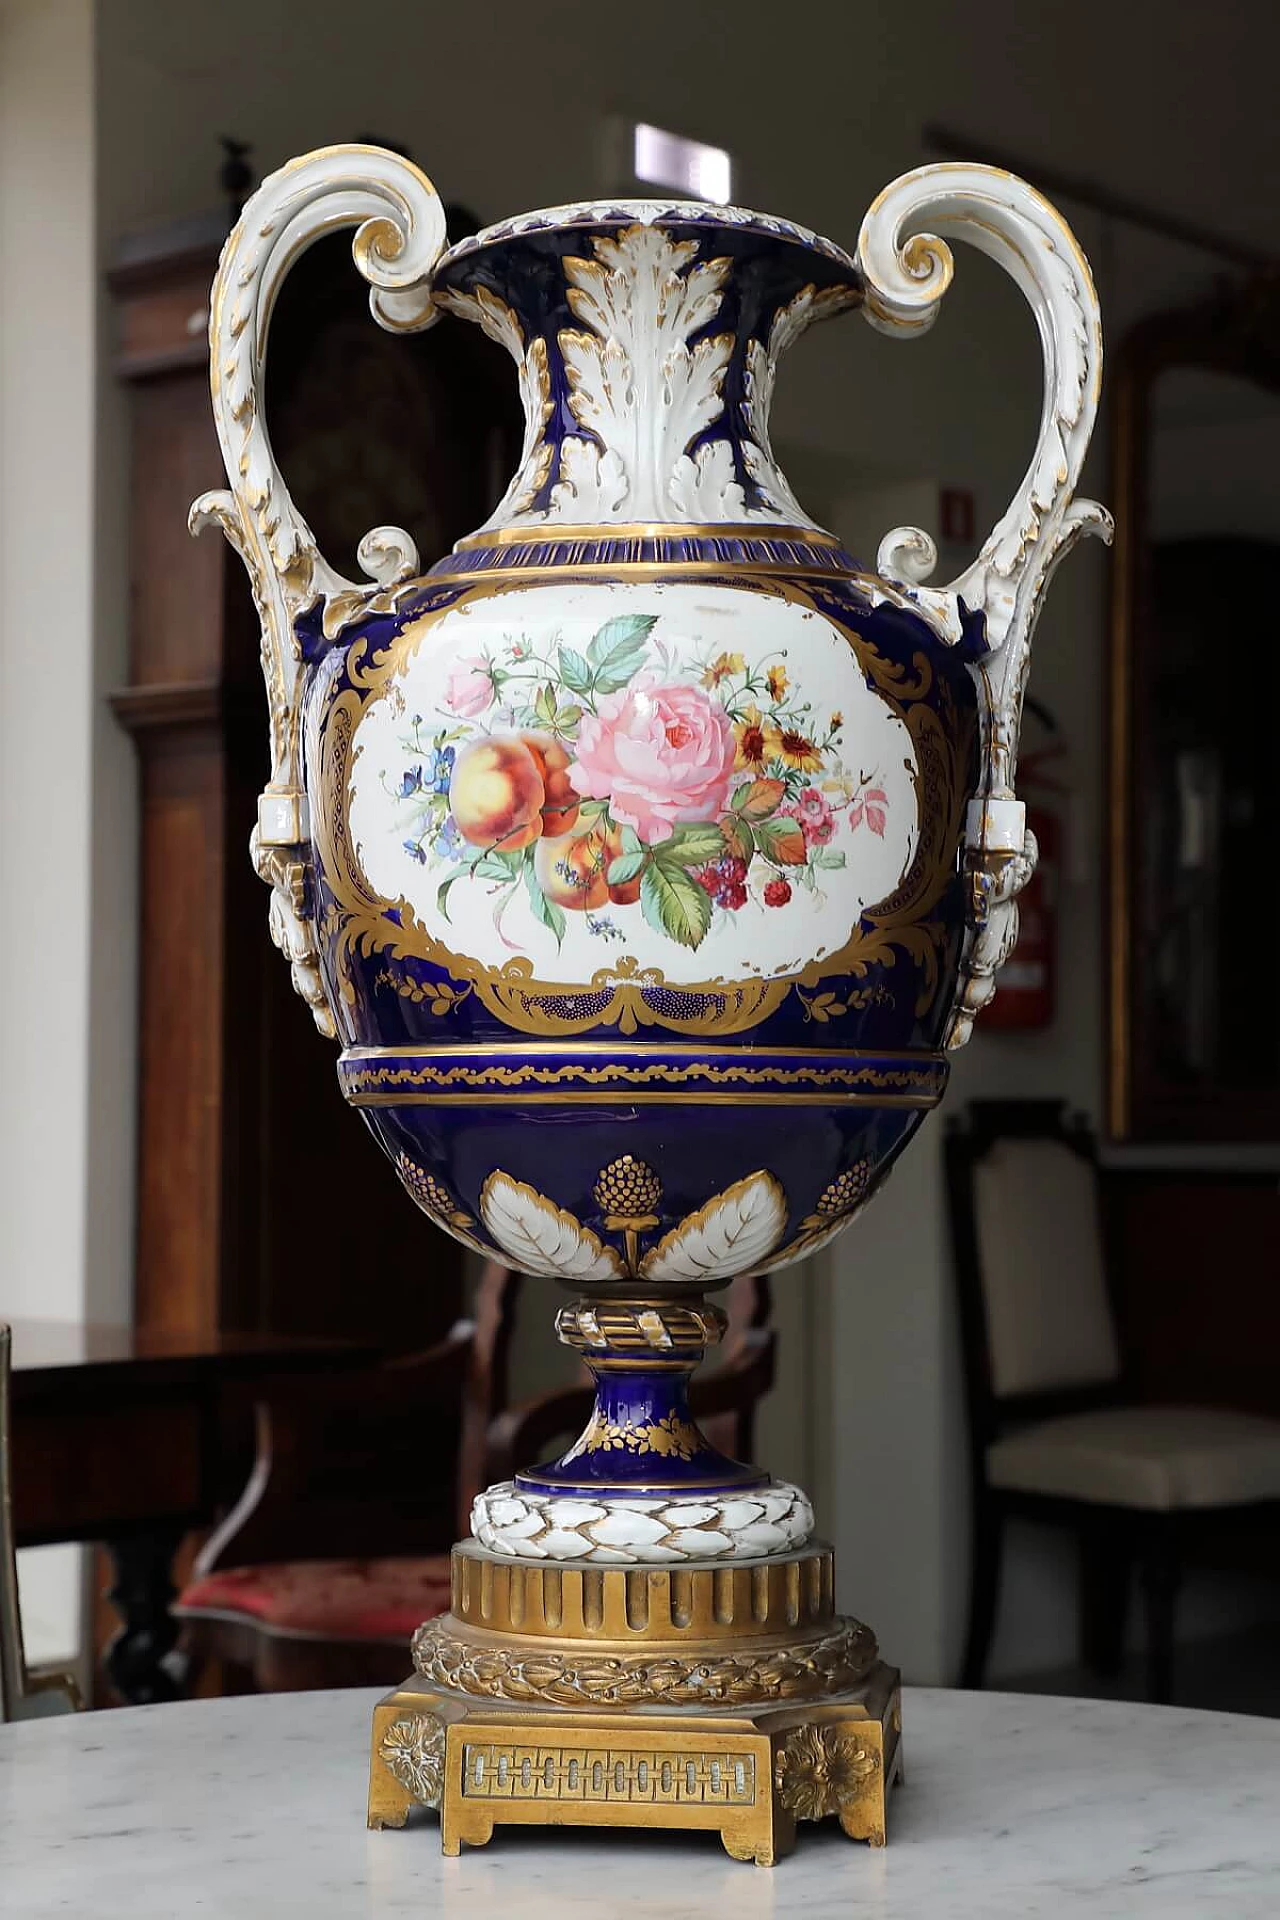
point(335, 1555)
point(1059, 1428)
point(255, 1188)
point(1193, 810)
point(24, 1691)
point(1195, 1282)
point(127, 1438)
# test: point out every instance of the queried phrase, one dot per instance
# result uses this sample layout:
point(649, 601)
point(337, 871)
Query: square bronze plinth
point(748, 1775)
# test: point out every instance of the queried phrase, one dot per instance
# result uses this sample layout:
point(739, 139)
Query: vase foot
point(748, 1774)
point(728, 1698)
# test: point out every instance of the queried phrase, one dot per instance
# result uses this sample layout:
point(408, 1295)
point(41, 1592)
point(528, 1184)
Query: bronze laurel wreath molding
point(830, 1665)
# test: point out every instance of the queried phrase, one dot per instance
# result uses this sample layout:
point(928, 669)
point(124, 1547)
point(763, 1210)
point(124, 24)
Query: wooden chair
point(1054, 1436)
point(26, 1693)
point(361, 1471)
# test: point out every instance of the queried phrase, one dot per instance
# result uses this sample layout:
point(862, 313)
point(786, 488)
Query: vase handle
point(906, 272)
point(400, 236)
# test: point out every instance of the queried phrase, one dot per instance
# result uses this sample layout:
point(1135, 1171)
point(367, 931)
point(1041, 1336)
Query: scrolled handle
point(400, 235)
point(906, 272)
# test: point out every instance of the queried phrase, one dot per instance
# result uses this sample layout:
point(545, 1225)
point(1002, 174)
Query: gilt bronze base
point(728, 1698)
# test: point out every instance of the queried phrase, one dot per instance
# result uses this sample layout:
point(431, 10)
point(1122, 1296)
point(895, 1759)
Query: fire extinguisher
point(1026, 986)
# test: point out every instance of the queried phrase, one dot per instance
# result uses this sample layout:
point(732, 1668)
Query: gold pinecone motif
point(430, 1195)
point(847, 1190)
point(628, 1188)
point(820, 1769)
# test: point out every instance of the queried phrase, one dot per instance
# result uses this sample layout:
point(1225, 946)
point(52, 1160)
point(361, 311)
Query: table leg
point(141, 1661)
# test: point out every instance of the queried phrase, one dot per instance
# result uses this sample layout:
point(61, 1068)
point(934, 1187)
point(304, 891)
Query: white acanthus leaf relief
point(776, 499)
point(636, 384)
point(592, 484)
point(496, 319)
point(539, 1237)
point(729, 1235)
point(705, 485)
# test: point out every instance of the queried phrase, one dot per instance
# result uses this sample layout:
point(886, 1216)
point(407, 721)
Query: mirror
point(1195, 692)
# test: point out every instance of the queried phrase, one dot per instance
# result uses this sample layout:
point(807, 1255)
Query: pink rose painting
point(658, 754)
point(636, 776)
point(470, 687)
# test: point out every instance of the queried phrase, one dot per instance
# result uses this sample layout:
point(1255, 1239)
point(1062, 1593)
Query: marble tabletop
point(1014, 1805)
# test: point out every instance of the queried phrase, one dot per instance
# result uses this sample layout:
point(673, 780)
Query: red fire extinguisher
point(1026, 986)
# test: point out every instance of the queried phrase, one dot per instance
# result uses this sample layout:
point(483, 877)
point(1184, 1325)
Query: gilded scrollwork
point(357, 921)
point(439, 996)
point(819, 1008)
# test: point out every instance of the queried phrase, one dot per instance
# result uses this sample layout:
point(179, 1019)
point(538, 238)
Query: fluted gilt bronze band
point(744, 1599)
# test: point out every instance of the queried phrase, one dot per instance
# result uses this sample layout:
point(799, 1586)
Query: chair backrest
point(381, 1461)
point(374, 1462)
point(1030, 1268)
point(26, 1693)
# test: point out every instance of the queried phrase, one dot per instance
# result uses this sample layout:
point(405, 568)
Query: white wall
point(508, 113)
point(65, 1168)
point(47, 361)
point(66, 773)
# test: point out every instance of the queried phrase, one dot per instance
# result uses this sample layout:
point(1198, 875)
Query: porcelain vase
point(648, 854)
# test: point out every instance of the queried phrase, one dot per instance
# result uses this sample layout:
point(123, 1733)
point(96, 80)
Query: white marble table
point(1018, 1806)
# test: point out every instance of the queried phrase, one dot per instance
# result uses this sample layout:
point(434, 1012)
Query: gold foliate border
point(356, 922)
point(377, 1084)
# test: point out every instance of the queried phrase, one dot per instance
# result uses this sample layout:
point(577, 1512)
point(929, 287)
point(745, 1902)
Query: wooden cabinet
point(263, 1204)
point(1193, 808)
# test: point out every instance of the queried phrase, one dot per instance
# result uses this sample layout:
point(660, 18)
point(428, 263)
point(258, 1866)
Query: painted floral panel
point(624, 770)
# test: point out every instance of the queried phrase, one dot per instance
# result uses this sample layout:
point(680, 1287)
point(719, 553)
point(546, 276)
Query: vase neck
point(647, 340)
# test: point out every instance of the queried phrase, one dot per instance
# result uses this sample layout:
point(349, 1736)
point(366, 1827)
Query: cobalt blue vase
point(646, 854)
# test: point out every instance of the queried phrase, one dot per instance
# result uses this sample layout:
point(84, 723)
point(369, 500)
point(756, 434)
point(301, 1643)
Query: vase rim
point(658, 212)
